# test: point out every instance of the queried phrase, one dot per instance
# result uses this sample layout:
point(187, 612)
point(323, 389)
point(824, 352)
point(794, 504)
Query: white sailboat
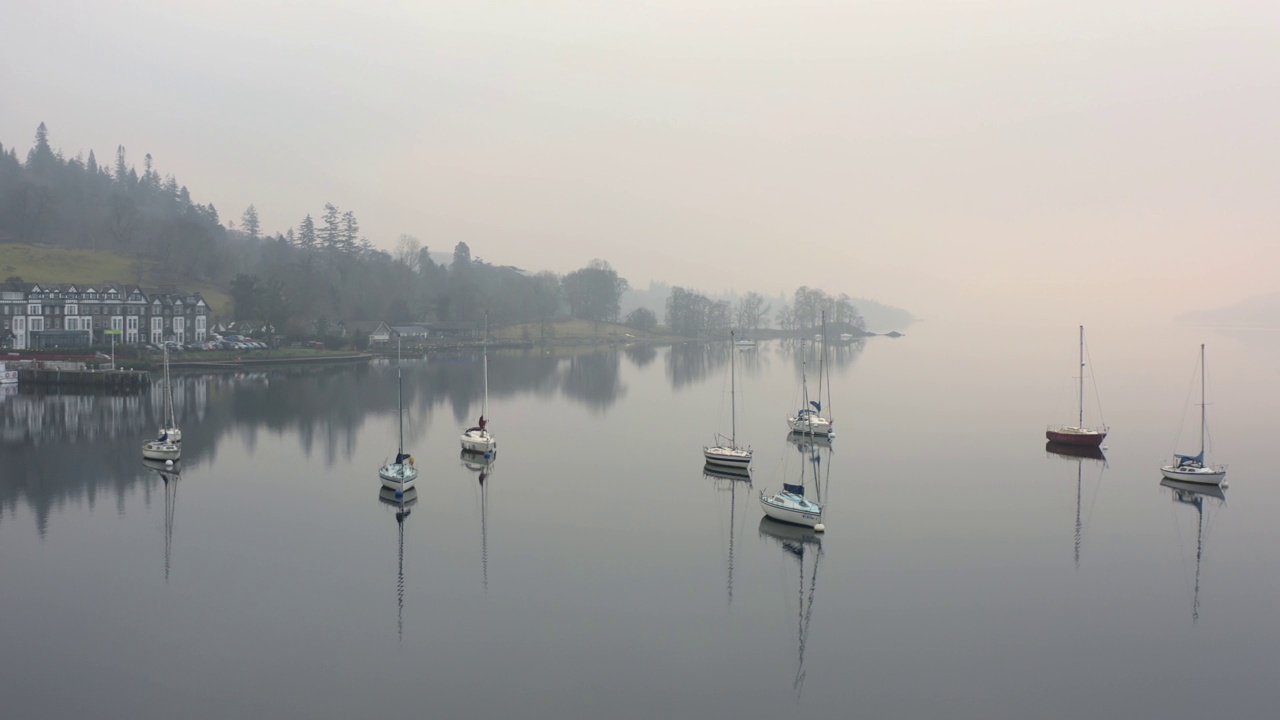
point(399, 475)
point(477, 438)
point(729, 455)
point(1194, 468)
point(166, 446)
point(791, 505)
point(808, 419)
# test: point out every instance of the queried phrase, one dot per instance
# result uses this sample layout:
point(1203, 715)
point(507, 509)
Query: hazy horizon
point(1067, 161)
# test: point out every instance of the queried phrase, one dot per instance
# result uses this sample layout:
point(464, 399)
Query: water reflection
point(401, 506)
point(691, 362)
point(1080, 453)
point(169, 476)
point(728, 479)
point(483, 467)
point(1197, 496)
point(803, 545)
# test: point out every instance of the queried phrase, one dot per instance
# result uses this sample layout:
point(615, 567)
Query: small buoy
point(168, 463)
point(819, 528)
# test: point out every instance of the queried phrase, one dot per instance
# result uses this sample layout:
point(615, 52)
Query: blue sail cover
point(1190, 459)
point(794, 489)
point(816, 405)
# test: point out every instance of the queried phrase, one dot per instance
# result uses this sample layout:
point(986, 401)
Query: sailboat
point(791, 505)
point(808, 419)
point(729, 455)
point(166, 447)
point(478, 439)
point(1080, 453)
point(1193, 468)
point(1078, 434)
point(400, 475)
point(1195, 494)
point(403, 503)
point(798, 542)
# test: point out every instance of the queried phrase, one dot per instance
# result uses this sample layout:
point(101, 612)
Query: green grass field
point(39, 264)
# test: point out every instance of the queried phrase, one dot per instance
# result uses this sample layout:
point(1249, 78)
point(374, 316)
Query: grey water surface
point(594, 570)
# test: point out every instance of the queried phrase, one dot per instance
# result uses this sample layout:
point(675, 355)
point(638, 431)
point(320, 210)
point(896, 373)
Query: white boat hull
point(156, 450)
point(727, 457)
point(479, 442)
point(1200, 475)
point(782, 511)
point(811, 426)
point(398, 476)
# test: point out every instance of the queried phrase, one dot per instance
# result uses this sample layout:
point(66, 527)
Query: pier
point(106, 379)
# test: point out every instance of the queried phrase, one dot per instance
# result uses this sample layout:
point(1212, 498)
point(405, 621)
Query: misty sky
point(1065, 160)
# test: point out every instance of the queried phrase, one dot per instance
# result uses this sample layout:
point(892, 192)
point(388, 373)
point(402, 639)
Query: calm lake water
point(597, 572)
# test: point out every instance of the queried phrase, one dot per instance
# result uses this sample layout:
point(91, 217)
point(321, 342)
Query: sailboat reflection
point(169, 475)
point(1195, 495)
point(482, 464)
point(730, 478)
point(800, 543)
point(403, 505)
point(1081, 453)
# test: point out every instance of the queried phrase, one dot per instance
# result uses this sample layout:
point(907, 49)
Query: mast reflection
point(402, 506)
point(1080, 453)
point(169, 475)
point(1197, 495)
point(804, 545)
point(729, 478)
point(483, 467)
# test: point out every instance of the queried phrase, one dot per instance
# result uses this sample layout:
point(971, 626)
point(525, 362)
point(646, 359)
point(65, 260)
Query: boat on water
point(808, 419)
point(1197, 495)
point(167, 446)
point(1195, 468)
point(729, 455)
point(1078, 434)
point(792, 504)
point(400, 474)
point(477, 438)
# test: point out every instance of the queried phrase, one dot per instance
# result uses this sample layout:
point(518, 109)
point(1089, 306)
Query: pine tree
point(249, 222)
point(331, 233)
point(91, 165)
point(122, 165)
point(350, 229)
point(307, 233)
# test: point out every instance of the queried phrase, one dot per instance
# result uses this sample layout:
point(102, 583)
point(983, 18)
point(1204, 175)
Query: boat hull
point(478, 442)
point(397, 476)
point(782, 512)
point(814, 426)
point(1198, 475)
point(727, 457)
point(1085, 437)
point(156, 450)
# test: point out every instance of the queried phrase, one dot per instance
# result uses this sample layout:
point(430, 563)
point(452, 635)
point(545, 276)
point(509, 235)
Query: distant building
point(40, 315)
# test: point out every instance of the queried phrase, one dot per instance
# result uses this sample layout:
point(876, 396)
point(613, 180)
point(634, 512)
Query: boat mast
point(733, 399)
point(823, 369)
point(168, 392)
point(1202, 404)
point(399, 399)
point(1080, 421)
point(484, 358)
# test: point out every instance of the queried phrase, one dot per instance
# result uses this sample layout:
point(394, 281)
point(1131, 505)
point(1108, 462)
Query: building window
point(33, 309)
